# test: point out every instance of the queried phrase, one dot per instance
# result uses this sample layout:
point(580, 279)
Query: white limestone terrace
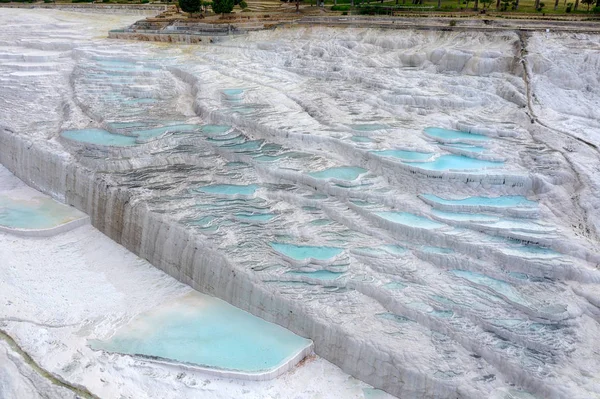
point(382, 193)
point(61, 293)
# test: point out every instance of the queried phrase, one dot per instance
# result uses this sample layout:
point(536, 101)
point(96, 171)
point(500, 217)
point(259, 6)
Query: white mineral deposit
point(297, 213)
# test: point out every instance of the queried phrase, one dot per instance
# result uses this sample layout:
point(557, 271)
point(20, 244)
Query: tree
point(588, 3)
point(190, 6)
point(222, 6)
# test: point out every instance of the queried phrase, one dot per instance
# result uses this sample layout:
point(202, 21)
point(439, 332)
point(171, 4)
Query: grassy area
point(467, 6)
point(464, 7)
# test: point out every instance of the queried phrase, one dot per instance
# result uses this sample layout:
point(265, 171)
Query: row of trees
point(505, 5)
point(501, 5)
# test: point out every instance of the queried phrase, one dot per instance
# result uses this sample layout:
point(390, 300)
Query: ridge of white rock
point(217, 153)
point(60, 292)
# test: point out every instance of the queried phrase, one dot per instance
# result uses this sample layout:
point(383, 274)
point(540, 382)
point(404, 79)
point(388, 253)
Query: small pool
point(507, 201)
point(208, 332)
point(324, 275)
point(465, 217)
point(361, 139)
point(394, 249)
point(455, 162)
point(342, 173)
point(229, 189)
point(254, 217)
point(499, 286)
point(306, 252)
point(442, 314)
point(404, 155)
point(453, 135)
point(36, 213)
point(215, 129)
point(467, 147)
point(409, 219)
point(395, 286)
point(369, 127)
point(99, 137)
point(273, 158)
point(233, 92)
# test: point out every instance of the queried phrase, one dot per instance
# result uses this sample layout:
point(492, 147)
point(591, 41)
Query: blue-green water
point(453, 135)
point(324, 275)
point(233, 92)
point(442, 314)
point(303, 252)
point(105, 138)
point(369, 127)
point(467, 147)
point(205, 331)
point(409, 219)
point(404, 155)
point(229, 189)
point(215, 129)
point(465, 217)
point(254, 217)
point(516, 201)
point(341, 173)
point(394, 249)
point(395, 286)
point(35, 213)
point(455, 162)
point(501, 287)
point(361, 139)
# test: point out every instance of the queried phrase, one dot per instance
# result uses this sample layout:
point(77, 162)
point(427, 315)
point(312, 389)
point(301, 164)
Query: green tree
point(190, 6)
point(222, 6)
point(588, 3)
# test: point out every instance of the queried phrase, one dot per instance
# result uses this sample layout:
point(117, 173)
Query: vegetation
point(588, 3)
point(375, 7)
point(190, 6)
point(222, 6)
point(388, 7)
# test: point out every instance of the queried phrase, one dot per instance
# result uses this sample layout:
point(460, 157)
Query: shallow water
point(205, 331)
point(35, 213)
point(503, 201)
point(342, 173)
point(411, 220)
point(455, 162)
point(453, 135)
point(304, 252)
point(404, 155)
point(99, 137)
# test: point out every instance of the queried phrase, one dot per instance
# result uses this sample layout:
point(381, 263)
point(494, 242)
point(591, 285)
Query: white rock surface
point(58, 292)
point(497, 308)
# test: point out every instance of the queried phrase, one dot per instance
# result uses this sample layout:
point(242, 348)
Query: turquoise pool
point(208, 332)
